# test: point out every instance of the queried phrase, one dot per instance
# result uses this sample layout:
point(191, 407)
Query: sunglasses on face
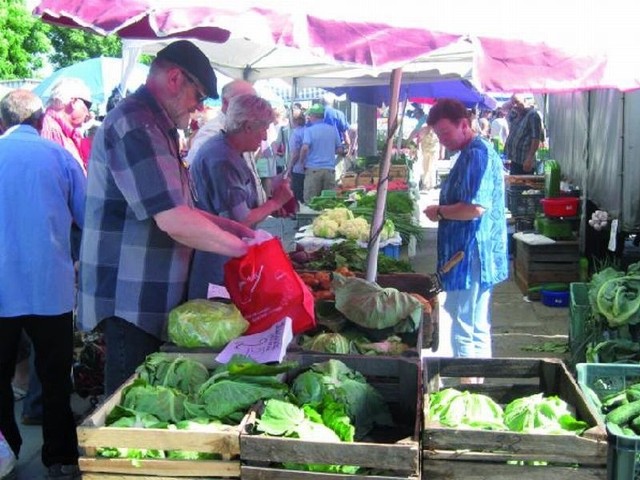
point(201, 97)
point(86, 102)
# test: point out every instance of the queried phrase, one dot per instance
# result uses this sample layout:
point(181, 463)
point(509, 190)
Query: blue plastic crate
point(392, 251)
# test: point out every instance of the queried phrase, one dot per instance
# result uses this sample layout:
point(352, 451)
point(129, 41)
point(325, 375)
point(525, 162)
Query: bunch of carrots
point(319, 282)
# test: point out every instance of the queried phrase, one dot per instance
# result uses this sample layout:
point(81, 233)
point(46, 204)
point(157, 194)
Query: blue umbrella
point(101, 75)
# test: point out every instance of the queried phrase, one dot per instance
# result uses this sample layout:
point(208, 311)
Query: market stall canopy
point(101, 75)
point(552, 46)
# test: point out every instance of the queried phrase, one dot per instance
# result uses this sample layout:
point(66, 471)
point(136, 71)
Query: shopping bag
point(265, 288)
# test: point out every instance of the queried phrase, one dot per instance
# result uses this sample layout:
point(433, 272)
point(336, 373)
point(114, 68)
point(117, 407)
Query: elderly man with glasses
point(141, 225)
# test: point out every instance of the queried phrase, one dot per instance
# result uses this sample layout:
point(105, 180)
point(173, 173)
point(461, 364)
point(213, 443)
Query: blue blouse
point(476, 178)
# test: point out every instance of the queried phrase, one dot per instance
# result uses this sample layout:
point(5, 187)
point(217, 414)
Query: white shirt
point(500, 129)
point(204, 133)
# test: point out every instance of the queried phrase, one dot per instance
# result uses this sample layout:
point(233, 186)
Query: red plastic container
point(560, 206)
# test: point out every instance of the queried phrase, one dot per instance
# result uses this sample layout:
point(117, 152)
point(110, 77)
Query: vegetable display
point(324, 402)
point(616, 295)
point(621, 409)
point(532, 414)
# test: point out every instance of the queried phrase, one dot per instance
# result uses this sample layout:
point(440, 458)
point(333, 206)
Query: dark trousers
point(516, 169)
point(127, 347)
point(52, 340)
point(297, 185)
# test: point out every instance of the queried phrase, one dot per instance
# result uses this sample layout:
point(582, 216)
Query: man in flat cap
point(141, 225)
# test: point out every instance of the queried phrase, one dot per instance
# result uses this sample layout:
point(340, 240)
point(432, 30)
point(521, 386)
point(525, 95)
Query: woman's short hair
point(450, 109)
point(66, 89)
point(245, 109)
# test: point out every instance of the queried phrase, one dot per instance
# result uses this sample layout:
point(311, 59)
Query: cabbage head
point(202, 323)
point(327, 343)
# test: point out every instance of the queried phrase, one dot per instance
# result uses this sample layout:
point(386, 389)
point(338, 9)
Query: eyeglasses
point(86, 102)
point(201, 96)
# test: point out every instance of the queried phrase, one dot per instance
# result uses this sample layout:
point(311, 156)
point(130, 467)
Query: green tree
point(23, 41)
point(72, 45)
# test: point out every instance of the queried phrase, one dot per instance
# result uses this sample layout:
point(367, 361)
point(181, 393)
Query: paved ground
point(520, 329)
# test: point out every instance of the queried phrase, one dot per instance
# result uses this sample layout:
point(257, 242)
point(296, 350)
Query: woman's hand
point(282, 193)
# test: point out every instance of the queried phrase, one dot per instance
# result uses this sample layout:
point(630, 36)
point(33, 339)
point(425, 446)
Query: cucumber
point(551, 286)
point(633, 394)
point(623, 413)
point(635, 425)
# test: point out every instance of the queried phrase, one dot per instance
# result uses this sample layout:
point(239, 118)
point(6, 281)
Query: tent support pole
point(383, 182)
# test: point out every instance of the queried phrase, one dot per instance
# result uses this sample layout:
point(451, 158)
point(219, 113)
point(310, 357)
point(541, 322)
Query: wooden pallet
point(454, 454)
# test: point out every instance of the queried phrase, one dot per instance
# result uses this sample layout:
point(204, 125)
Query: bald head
point(21, 107)
point(235, 89)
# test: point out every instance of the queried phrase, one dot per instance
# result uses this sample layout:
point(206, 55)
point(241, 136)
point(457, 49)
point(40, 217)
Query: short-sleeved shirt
point(476, 178)
point(42, 193)
point(295, 142)
point(129, 267)
point(222, 181)
point(337, 118)
point(323, 140)
point(522, 131)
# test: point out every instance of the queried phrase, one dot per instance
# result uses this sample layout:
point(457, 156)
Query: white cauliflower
point(339, 214)
point(325, 227)
point(355, 229)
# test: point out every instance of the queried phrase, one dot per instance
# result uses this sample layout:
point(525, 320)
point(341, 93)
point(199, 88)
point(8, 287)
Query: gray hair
point(65, 90)
point(21, 107)
point(245, 109)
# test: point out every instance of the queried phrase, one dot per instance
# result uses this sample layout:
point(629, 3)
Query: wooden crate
point(349, 180)
point(536, 264)
point(92, 434)
point(398, 380)
point(453, 454)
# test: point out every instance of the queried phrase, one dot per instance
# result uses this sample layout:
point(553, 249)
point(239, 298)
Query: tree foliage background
point(27, 43)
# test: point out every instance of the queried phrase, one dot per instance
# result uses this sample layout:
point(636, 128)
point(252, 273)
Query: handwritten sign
point(264, 347)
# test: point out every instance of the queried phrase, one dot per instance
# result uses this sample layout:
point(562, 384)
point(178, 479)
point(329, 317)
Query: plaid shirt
point(128, 266)
point(522, 132)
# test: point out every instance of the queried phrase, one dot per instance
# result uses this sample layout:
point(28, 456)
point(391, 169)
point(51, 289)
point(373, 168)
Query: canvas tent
point(595, 137)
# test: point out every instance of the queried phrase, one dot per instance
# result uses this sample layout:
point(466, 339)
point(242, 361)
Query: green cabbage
point(202, 323)
point(539, 414)
point(327, 343)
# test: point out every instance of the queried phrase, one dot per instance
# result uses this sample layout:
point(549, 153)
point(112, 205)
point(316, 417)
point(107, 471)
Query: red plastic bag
point(265, 288)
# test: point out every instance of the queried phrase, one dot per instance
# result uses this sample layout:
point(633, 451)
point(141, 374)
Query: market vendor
point(470, 217)
point(226, 185)
point(320, 144)
point(141, 225)
point(526, 135)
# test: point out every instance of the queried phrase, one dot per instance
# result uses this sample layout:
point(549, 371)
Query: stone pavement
point(520, 328)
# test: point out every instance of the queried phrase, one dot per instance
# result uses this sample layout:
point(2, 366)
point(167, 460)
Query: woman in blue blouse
point(471, 219)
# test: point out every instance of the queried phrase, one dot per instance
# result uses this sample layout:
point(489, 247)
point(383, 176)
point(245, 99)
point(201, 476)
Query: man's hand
point(233, 227)
point(528, 165)
point(432, 212)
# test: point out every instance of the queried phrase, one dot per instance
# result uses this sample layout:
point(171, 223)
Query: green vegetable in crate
point(179, 372)
point(454, 408)
point(364, 405)
point(203, 323)
point(327, 343)
point(616, 295)
point(540, 414)
point(285, 419)
point(624, 413)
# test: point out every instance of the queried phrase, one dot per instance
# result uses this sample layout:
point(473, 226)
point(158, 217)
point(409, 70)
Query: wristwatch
point(439, 215)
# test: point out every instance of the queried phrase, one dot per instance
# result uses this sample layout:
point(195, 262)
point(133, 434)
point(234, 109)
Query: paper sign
point(613, 235)
point(264, 347)
point(217, 291)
